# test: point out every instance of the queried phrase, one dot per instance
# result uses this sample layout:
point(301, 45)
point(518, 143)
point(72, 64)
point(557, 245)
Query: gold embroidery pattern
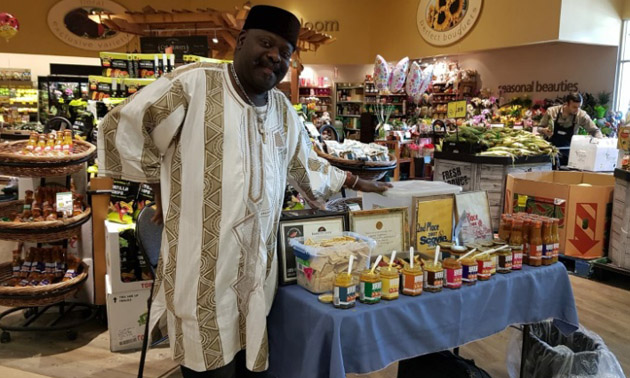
point(171, 227)
point(189, 67)
point(157, 113)
point(213, 159)
point(109, 126)
point(257, 171)
point(263, 352)
point(247, 233)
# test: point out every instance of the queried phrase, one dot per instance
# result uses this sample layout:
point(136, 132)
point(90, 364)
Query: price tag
point(457, 109)
point(64, 203)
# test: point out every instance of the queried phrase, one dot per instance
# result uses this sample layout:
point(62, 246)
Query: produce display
point(42, 266)
point(503, 142)
point(43, 206)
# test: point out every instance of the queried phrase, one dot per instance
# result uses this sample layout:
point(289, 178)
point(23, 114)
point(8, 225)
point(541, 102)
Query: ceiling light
point(215, 39)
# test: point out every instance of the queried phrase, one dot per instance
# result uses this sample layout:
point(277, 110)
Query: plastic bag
point(549, 353)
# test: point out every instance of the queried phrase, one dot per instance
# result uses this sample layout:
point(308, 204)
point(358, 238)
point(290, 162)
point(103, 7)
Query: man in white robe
point(219, 143)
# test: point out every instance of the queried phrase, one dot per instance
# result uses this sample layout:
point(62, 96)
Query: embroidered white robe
point(222, 181)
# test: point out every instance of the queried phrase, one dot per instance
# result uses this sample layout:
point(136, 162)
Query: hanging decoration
point(397, 80)
point(9, 26)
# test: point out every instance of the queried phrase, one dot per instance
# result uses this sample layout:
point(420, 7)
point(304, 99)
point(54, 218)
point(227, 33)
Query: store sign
point(536, 86)
point(69, 21)
point(444, 22)
point(193, 45)
point(457, 109)
point(321, 26)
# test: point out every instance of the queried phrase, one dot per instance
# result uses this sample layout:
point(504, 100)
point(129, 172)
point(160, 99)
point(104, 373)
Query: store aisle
point(602, 308)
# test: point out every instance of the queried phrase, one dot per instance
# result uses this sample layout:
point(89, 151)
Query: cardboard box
point(592, 154)
point(126, 317)
point(583, 210)
point(112, 256)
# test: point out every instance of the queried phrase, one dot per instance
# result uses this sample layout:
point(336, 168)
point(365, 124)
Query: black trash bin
point(548, 353)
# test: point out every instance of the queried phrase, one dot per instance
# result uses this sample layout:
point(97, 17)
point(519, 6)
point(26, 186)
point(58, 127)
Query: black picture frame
point(293, 223)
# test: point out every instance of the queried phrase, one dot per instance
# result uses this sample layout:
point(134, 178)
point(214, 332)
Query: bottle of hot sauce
point(535, 244)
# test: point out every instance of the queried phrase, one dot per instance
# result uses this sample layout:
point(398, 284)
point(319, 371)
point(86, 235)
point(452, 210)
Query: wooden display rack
point(396, 146)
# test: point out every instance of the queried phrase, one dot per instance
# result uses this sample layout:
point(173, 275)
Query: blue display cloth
point(308, 338)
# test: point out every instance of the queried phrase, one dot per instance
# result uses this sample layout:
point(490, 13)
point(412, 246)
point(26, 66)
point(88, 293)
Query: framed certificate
point(303, 224)
point(432, 222)
point(388, 227)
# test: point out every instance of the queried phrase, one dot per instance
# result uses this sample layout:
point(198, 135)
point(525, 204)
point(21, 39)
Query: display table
point(311, 339)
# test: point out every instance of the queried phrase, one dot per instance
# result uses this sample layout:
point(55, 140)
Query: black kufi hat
point(274, 20)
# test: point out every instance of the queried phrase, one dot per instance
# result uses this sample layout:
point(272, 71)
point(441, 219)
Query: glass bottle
point(535, 243)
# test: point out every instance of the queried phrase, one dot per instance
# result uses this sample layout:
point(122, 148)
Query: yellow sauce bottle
point(390, 283)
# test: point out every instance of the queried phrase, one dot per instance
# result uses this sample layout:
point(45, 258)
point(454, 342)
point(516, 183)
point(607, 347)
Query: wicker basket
point(39, 232)
point(14, 164)
point(38, 295)
point(367, 170)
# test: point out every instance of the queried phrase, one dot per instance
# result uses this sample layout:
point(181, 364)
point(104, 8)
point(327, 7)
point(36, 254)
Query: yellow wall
point(626, 10)
point(367, 27)
point(578, 23)
point(501, 24)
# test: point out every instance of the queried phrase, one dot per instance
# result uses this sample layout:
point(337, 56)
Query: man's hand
point(545, 131)
point(372, 186)
point(158, 218)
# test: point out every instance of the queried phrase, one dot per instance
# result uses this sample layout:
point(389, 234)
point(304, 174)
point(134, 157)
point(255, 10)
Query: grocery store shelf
point(349, 116)
point(349, 102)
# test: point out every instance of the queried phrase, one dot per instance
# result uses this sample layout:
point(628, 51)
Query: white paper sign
point(64, 203)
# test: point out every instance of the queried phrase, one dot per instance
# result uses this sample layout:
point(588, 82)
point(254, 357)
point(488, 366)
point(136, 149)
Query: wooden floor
point(602, 308)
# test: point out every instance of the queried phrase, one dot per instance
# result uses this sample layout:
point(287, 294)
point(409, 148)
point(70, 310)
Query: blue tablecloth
point(311, 339)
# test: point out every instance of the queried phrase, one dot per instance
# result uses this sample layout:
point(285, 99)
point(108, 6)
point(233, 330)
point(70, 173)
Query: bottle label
point(556, 250)
point(535, 252)
point(469, 273)
point(517, 259)
point(453, 278)
point(505, 263)
point(484, 269)
point(27, 266)
point(344, 296)
point(70, 274)
point(547, 253)
point(412, 283)
point(390, 288)
point(50, 268)
point(433, 280)
point(370, 292)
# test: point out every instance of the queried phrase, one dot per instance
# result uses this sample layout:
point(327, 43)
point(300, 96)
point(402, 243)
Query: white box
point(401, 195)
point(112, 257)
point(126, 317)
point(592, 154)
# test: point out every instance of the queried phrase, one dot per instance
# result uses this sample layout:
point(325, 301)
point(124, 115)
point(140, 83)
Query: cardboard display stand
point(581, 200)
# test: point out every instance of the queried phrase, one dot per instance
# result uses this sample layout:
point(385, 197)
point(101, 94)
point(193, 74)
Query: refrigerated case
point(55, 93)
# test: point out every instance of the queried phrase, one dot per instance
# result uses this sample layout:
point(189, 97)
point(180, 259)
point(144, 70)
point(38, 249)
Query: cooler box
point(126, 317)
point(592, 154)
point(320, 259)
point(581, 200)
